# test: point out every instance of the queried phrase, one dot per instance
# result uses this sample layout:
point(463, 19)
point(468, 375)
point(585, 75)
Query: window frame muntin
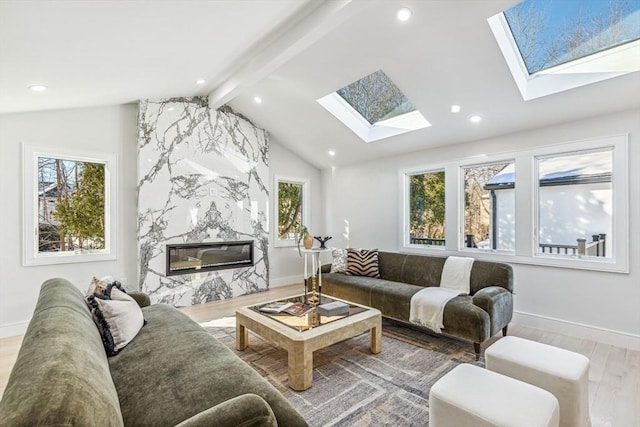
point(31, 256)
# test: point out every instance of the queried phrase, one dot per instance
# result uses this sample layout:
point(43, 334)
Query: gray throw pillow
point(339, 263)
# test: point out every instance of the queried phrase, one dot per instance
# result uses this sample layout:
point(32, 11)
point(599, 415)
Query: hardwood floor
point(614, 376)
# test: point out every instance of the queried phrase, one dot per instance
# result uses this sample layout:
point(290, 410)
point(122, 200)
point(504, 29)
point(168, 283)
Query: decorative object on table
point(298, 309)
point(303, 236)
point(322, 240)
point(276, 307)
point(314, 299)
point(335, 308)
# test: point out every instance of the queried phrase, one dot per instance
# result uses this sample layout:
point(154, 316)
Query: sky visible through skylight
point(376, 98)
point(553, 32)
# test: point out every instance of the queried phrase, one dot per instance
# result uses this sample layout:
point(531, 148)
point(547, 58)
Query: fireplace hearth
point(190, 258)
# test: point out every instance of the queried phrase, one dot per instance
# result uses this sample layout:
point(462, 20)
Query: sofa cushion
point(174, 370)
point(61, 375)
point(362, 263)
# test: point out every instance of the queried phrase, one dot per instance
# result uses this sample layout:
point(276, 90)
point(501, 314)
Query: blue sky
point(560, 15)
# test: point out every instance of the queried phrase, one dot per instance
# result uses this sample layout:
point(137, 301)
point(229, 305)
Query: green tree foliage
point(427, 207)
point(289, 209)
point(80, 214)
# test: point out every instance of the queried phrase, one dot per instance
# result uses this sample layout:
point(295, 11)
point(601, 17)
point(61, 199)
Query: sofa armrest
point(141, 298)
point(498, 303)
point(326, 268)
point(245, 410)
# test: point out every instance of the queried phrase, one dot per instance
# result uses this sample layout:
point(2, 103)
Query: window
point(489, 210)
point(68, 206)
point(570, 207)
point(292, 206)
point(374, 108)
point(575, 204)
point(552, 46)
point(426, 213)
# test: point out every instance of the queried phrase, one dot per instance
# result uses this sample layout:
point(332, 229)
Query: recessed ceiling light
point(257, 99)
point(332, 153)
point(455, 108)
point(38, 88)
point(201, 81)
point(475, 119)
point(403, 14)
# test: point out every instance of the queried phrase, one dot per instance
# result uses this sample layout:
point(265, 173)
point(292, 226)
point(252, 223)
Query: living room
point(291, 55)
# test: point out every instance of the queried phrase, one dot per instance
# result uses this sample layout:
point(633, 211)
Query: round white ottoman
point(563, 373)
point(469, 396)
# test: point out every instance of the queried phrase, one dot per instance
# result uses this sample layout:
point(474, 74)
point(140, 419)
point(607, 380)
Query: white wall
point(106, 129)
point(286, 265)
point(363, 211)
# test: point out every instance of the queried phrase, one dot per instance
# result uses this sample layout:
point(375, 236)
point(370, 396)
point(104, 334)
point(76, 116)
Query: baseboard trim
point(283, 281)
point(578, 330)
point(12, 329)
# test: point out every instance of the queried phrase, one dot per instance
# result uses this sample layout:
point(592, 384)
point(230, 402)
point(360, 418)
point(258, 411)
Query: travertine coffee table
point(301, 336)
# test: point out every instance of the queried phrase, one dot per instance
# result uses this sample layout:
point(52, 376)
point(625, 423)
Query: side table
point(312, 256)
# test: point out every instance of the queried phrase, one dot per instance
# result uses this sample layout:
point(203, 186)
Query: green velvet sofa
point(172, 373)
point(475, 317)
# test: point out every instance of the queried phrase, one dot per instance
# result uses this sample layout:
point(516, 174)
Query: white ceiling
point(290, 53)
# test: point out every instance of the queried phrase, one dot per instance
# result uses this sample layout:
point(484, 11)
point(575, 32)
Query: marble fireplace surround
point(202, 177)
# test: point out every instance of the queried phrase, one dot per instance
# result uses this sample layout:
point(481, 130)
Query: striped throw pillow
point(362, 263)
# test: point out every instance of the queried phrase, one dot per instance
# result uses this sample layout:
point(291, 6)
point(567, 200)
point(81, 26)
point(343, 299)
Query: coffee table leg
point(300, 368)
point(376, 339)
point(242, 336)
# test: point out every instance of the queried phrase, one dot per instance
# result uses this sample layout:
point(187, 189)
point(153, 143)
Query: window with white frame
point(292, 209)
point(68, 206)
point(575, 203)
point(426, 212)
point(489, 210)
point(571, 204)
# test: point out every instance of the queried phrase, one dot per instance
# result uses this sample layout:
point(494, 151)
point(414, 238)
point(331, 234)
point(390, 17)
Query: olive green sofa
point(172, 373)
point(475, 317)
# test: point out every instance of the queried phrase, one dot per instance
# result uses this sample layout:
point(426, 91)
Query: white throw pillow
point(118, 317)
point(339, 263)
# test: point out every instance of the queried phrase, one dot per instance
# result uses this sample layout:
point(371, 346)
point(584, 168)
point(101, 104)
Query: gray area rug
point(351, 386)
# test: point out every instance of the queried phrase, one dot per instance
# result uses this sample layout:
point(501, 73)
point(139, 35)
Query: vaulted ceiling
point(289, 53)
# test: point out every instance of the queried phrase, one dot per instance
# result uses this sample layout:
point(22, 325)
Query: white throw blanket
point(427, 305)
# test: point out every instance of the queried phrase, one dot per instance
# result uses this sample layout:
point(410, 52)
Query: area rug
point(351, 386)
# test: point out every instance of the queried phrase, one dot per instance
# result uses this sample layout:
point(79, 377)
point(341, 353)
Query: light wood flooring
point(614, 376)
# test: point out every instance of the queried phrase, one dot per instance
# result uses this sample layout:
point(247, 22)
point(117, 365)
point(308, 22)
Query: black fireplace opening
point(189, 258)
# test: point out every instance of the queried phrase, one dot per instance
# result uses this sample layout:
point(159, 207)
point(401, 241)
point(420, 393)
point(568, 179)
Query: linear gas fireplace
point(188, 258)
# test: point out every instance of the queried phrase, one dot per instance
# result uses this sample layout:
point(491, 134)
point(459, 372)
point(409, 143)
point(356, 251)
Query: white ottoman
point(563, 373)
point(469, 396)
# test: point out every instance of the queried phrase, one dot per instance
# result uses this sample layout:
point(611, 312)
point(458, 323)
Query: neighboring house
point(575, 201)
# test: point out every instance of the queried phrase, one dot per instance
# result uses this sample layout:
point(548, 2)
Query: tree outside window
point(292, 206)
point(427, 208)
point(488, 213)
point(71, 205)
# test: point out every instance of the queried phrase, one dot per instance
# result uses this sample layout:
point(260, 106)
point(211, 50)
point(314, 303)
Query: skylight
point(551, 46)
point(374, 108)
